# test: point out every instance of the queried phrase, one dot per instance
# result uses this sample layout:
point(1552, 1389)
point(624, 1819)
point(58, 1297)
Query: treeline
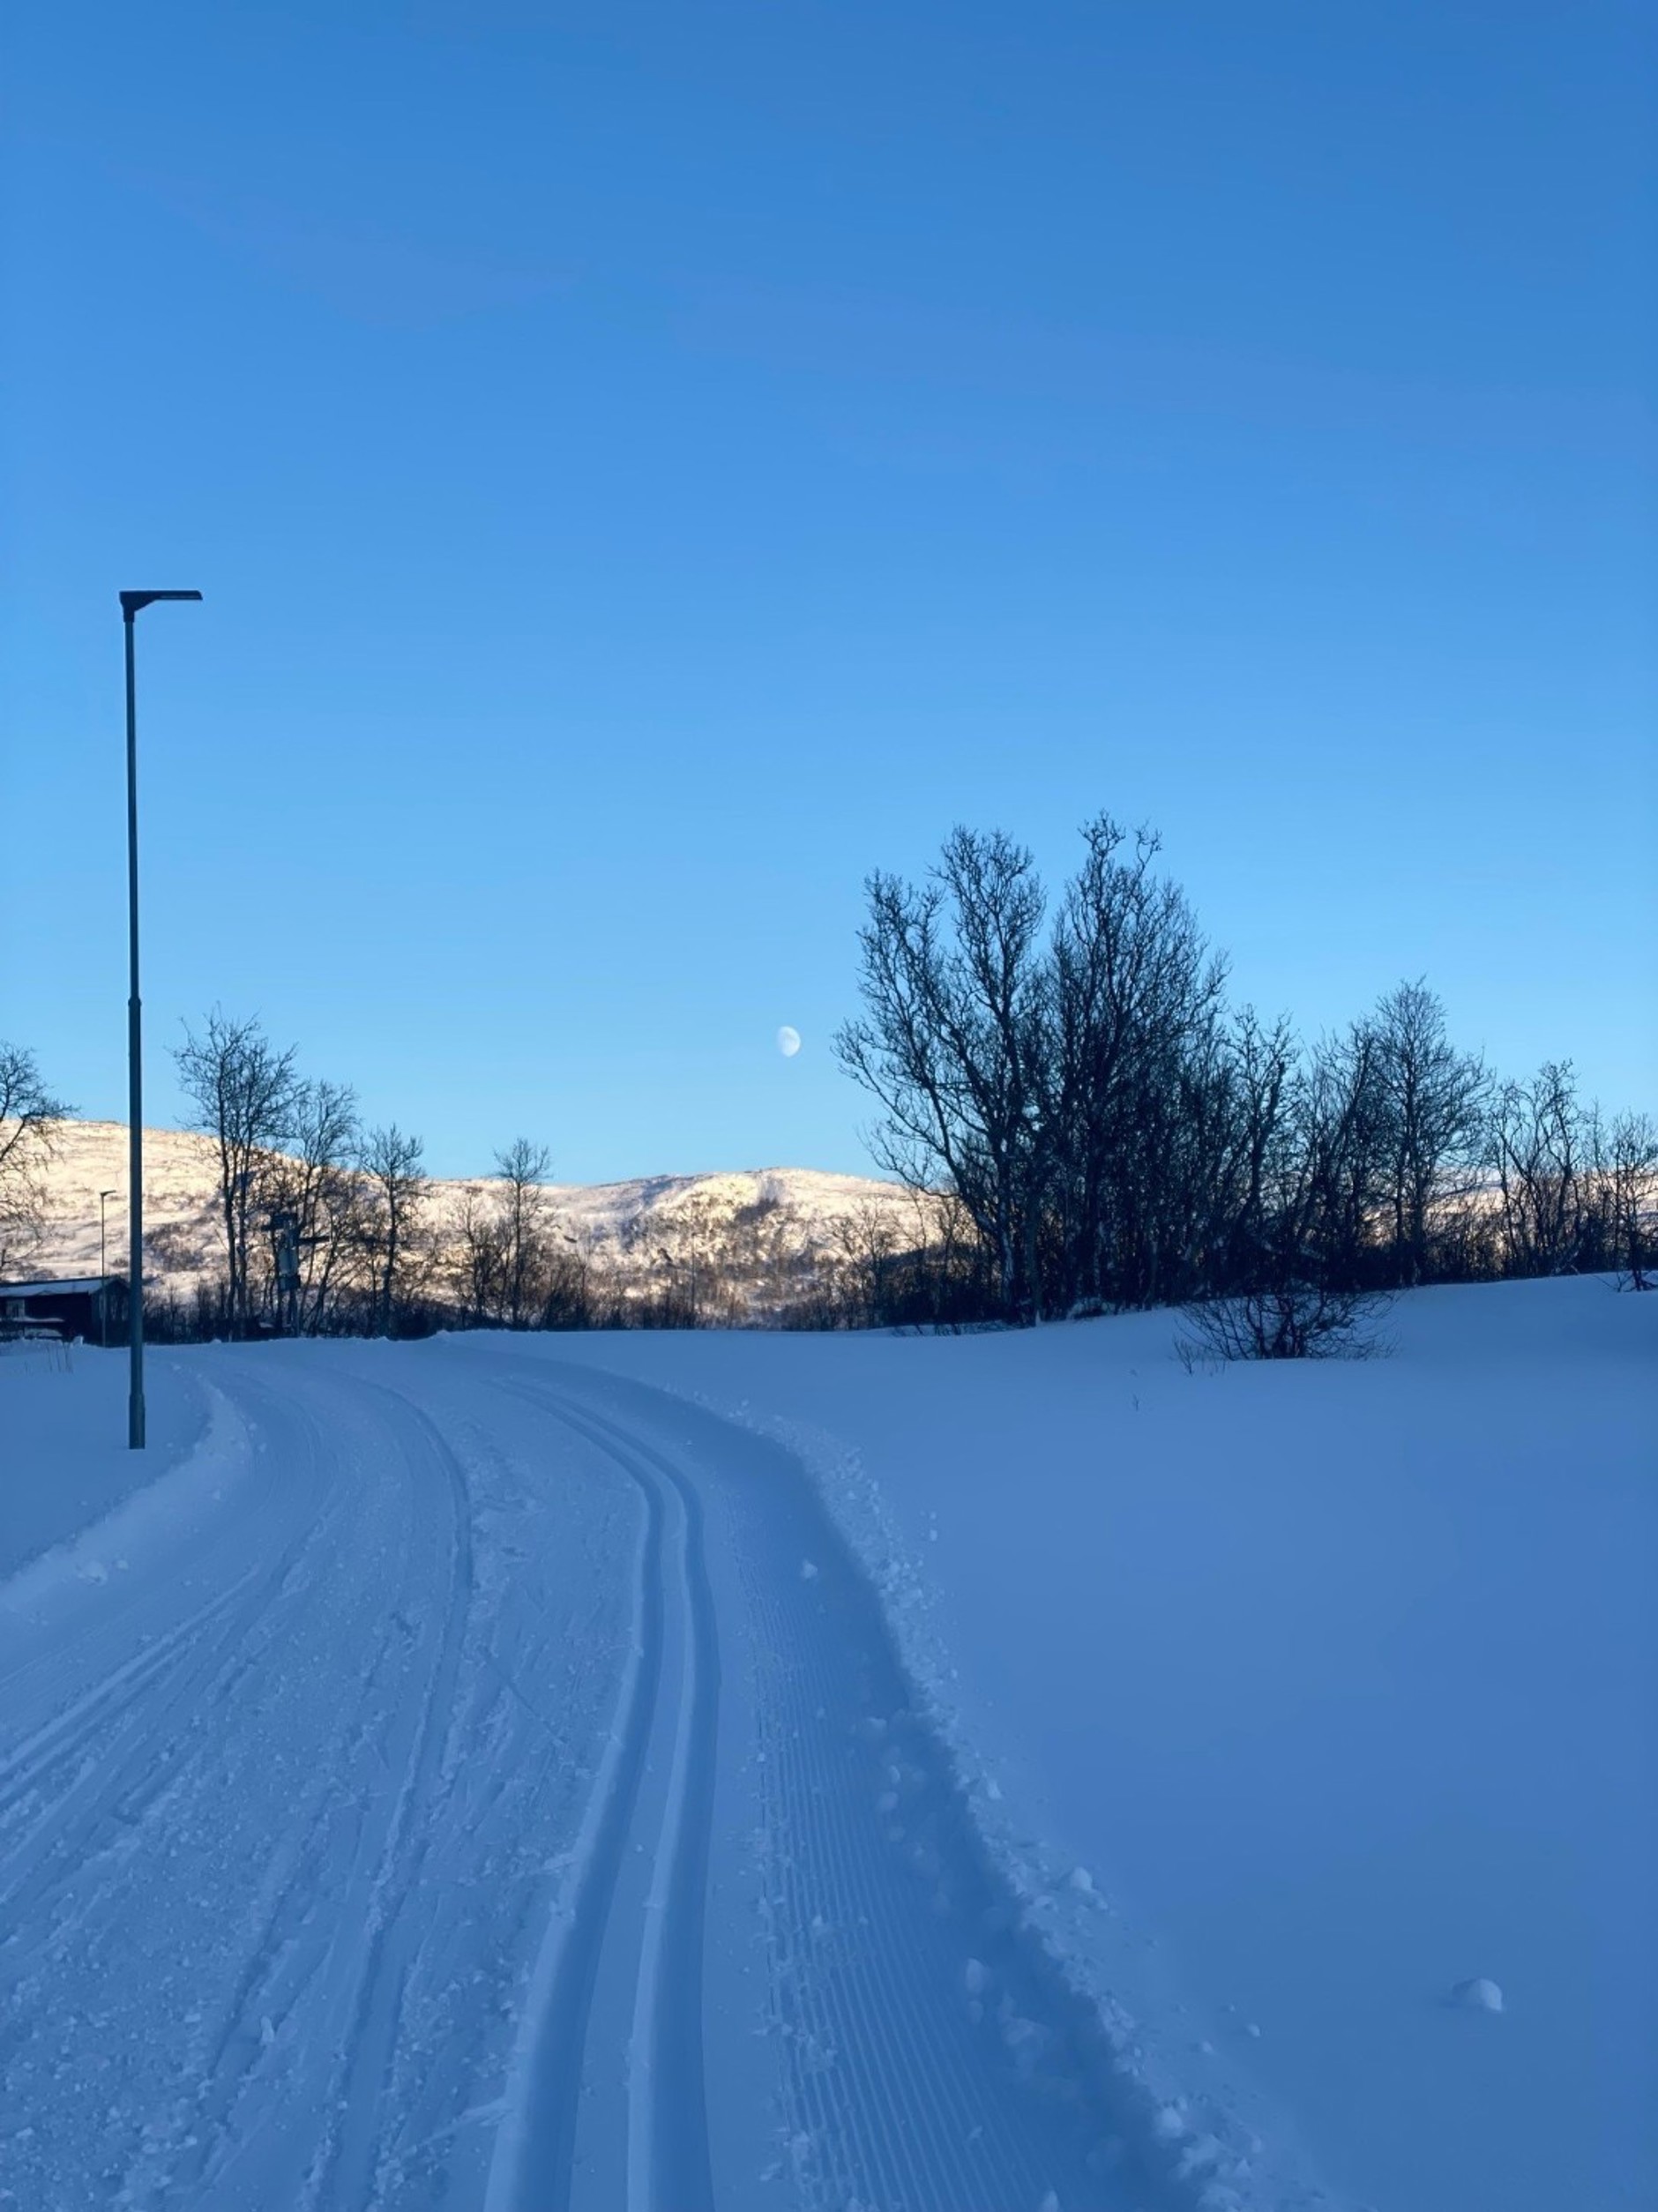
point(1118, 1135)
point(1082, 1120)
point(330, 1227)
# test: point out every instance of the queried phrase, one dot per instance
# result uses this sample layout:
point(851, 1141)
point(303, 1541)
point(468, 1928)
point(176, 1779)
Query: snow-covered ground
point(523, 1771)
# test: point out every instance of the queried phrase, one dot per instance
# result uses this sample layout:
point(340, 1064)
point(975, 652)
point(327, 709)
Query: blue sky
point(649, 464)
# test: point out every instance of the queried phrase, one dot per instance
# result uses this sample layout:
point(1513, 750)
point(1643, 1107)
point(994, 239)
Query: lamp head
point(131, 601)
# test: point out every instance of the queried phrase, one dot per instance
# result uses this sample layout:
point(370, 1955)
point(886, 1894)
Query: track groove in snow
point(623, 1963)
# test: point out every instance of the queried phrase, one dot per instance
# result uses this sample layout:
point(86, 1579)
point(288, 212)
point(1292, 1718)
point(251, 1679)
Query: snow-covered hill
point(625, 1223)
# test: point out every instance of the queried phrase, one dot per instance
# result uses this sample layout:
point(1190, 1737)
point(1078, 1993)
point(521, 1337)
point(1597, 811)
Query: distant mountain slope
point(625, 1223)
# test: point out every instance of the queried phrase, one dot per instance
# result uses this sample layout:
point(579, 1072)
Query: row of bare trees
point(317, 1211)
point(325, 1220)
point(1118, 1135)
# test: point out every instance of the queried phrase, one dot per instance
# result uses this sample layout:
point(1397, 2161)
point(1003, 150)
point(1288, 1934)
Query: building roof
point(56, 1286)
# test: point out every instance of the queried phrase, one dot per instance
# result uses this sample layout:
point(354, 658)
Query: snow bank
point(63, 1457)
point(142, 1531)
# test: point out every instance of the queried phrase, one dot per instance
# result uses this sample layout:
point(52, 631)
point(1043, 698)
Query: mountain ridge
point(623, 1221)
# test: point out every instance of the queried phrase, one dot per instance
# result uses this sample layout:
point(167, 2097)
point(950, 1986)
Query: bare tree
point(1630, 1178)
point(29, 1115)
point(686, 1241)
point(1135, 1075)
point(1536, 1146)
point(391, 1159)
point(478, 1261)
point(247, 1097)
point(951, 1039)
point(1337, 1180)
point(314, 1196)
point(578, 1293)
point(867, 1241)
point(522, 1168)
point(1436, 1100)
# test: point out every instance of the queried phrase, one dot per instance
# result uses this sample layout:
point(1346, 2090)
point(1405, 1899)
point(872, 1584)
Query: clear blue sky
point(649, 464)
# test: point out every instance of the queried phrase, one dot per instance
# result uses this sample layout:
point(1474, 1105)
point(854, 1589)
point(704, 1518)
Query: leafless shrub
point(1297, 1321)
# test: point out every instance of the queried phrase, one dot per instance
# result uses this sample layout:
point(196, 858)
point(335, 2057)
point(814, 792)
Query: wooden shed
point(92, 1307)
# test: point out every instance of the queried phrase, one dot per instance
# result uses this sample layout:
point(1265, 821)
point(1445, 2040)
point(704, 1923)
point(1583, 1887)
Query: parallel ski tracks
point(610, 1953)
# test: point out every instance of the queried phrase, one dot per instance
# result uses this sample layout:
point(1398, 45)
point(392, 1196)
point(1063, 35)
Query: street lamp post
point(132, 604)
point(104, 1273)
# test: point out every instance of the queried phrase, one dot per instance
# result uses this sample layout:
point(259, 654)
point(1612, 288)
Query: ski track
point(365, 1860)
point(668, 1722)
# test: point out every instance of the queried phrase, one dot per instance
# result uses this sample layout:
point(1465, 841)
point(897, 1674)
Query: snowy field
point(524, 1772)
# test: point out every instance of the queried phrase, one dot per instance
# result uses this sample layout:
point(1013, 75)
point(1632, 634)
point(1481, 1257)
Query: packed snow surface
point(933, 1774)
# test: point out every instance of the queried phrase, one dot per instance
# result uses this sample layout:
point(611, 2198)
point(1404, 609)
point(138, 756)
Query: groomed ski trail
point(505, 1794)
point(602, 2114)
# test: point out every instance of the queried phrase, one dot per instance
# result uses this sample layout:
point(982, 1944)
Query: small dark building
point(92, 1307)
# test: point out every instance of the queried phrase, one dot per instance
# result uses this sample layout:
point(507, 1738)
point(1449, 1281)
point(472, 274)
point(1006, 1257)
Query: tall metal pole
point(131, 603)
point(135, 1071)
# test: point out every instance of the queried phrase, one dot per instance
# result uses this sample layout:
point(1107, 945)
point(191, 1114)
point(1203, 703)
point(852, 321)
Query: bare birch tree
point(247, 1096)
point(522, 1170)
point(390, 1159)
point(1436, 1100)
point(29, 1115)
point(318, 1188)
point(952, 1038)
point(1629, 1177)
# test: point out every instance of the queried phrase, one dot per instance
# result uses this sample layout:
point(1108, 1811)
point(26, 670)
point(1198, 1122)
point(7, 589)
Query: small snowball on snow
point(976, 1975)
point(1050, 2203)
point(1170, 2125)
point(1478, 1995)
point(1252, 2028)
point(1081, 1881)
point(808, 1572)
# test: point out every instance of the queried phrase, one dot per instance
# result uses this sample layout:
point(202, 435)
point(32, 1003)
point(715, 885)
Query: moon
point(788, 1041)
